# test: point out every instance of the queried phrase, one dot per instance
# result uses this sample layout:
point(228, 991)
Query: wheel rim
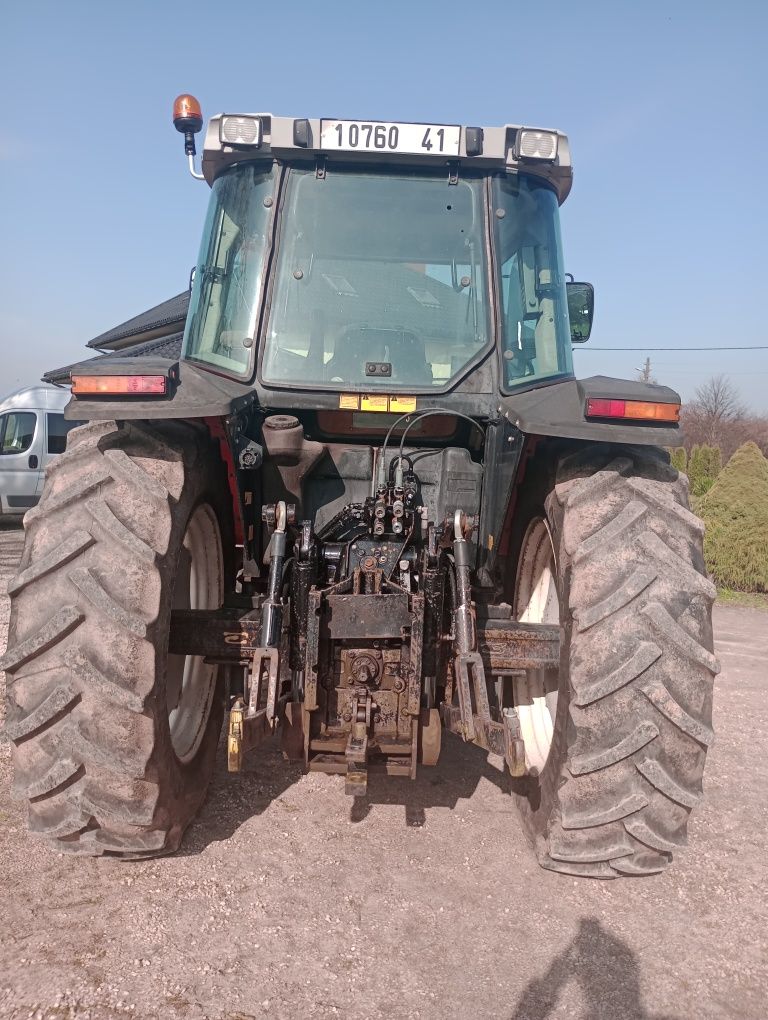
point(190, 682)
point(536, 601)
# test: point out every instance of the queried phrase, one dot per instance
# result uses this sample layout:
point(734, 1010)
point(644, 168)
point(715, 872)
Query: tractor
point(369, 503)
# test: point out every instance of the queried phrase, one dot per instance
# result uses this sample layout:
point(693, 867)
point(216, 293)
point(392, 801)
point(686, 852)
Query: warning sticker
point(374, 402)
point(402, 404)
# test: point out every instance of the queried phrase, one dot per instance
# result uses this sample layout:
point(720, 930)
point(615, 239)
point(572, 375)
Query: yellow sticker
point(349, 402)
point(402, 405)
point(372, 402)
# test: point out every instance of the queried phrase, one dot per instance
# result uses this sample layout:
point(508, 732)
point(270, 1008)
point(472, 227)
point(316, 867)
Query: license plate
point(383, 136)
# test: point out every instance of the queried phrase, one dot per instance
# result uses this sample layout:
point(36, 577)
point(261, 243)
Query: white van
point(32, 430)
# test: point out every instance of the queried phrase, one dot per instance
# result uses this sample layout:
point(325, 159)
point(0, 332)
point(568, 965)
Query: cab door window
point(17, 431)
point(58, 427)
point(536, 335)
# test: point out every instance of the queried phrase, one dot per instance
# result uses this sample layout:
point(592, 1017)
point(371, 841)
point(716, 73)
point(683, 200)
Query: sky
point(663, 102)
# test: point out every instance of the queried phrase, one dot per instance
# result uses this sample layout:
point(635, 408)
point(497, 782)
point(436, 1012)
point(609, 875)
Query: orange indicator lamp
point(636, 410)
point(119, 385)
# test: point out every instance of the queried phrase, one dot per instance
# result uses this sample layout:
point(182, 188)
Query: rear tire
point(634, 703)
point(113, 740)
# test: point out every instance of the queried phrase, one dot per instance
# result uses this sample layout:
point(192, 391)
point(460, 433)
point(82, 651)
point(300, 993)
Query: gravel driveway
point(290, 900)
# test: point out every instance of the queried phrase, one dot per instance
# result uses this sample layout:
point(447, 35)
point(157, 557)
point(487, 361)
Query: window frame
point(247, 374)
point(485, 352)
point(4, 427)
point(71, 424)
point(534, 381)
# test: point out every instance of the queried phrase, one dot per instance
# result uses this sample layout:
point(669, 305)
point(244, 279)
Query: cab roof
point(304, 139)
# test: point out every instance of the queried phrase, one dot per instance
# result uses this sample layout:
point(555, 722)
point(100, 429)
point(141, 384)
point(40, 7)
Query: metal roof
point(161, 320)
point(162, 347)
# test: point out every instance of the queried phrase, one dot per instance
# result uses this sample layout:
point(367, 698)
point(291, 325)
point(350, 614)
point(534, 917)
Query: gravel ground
point(289, 900)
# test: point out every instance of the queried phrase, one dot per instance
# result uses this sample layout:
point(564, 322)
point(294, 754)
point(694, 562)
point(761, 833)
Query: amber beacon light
point(188, 119)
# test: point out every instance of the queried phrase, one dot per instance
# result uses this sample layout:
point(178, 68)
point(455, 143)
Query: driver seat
point(357, 345)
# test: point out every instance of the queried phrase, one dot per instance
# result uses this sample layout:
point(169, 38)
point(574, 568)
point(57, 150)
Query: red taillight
point(120, 385)
point(600, 407)
point(637, 410)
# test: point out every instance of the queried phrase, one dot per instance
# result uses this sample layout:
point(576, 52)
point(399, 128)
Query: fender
point(558, 410)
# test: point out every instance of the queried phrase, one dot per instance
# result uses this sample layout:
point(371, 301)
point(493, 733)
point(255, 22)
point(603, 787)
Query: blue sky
point(663, 103)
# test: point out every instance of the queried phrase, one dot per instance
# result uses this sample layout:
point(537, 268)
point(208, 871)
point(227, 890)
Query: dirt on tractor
point(369, 505)
point(286, 896)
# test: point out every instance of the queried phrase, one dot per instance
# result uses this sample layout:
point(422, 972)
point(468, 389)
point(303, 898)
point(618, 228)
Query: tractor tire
point(113, 739)
point(632, 718)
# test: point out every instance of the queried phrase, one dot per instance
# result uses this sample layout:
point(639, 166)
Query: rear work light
point(120, 385)
point(240, 131)
point(637, 410)
point(537, 144)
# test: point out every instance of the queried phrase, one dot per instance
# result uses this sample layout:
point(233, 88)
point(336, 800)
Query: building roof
point(162, 320)
point(162, 347)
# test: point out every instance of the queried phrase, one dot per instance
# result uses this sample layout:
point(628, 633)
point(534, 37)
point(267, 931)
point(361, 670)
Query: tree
point(719, 400)
point(713, 461)
point(704, 466)
point(716, 417)
point(679, 459)
point(735, 511)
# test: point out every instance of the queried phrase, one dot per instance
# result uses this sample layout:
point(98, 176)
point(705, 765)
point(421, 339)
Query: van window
point(17, 430)
point(58, 427)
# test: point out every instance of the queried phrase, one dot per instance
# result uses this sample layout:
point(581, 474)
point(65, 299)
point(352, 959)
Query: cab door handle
point(33, 460)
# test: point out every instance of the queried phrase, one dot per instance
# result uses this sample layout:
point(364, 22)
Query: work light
point(537, 144)
point(240, 130)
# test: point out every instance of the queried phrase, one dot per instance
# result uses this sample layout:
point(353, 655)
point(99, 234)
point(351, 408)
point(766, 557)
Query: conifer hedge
point(735, 511)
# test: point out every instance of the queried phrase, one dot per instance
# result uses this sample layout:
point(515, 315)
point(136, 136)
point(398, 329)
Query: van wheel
point(113, 739)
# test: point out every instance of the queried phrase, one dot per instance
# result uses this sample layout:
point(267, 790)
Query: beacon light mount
point(188, 119)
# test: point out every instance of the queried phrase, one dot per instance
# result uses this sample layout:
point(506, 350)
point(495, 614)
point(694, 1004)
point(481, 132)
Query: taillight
point(120, 385)
point(637, 410)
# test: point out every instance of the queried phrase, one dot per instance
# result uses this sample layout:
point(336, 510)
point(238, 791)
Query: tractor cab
point(359, 258)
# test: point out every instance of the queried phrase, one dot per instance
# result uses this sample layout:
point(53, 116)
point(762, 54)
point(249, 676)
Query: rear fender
point(557, 410)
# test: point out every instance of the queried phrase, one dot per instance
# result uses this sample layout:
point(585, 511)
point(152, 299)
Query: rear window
point(17, 430)
point(58, 427)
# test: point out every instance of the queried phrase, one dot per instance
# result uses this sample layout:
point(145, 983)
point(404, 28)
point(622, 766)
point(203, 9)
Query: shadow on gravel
point(606, 971)
point(233, 799)
point(454, 778)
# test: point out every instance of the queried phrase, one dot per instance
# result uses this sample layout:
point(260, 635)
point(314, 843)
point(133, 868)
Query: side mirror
point(581, 309)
